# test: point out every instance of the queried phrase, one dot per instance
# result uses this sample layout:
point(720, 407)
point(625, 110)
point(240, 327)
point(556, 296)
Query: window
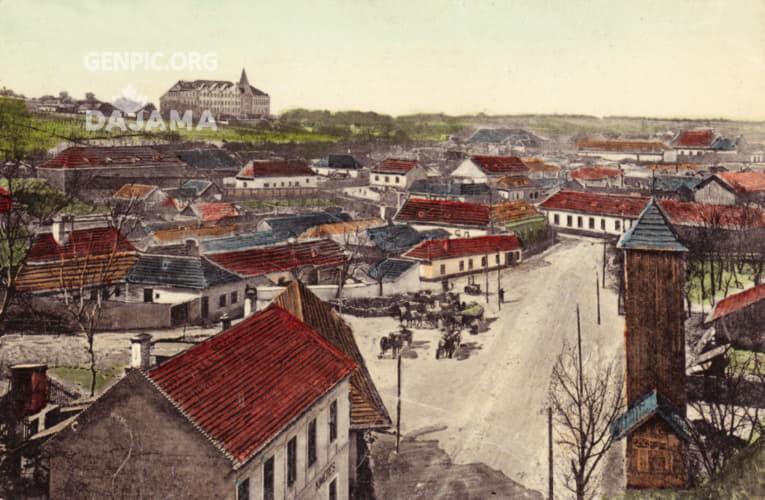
point(602, 224)
point(332, 421)
point(148, 295)
point(117, 291)
point(592, 222)
point(462, 265)
point(556, 220)
point(234, 298)
point(443, 268)
point(265, 184)
point(397, 179)
point(243, 489)
point(470, 263)
point(568, 220)
point(291, 461)
point(268, 479)
point(311, 442)
point(245, 184)
point(496, 258)
point(387, 178)
point(222, 301)
point(484, 261)
point(579, 222)
point(333, 490)
point(377, 177)
point(617, 225)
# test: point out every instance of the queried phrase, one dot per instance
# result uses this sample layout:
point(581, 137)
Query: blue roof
point(295, 225)
point(339, 161)
point(401, 237)
point(449, 188)
point(652, 231)
point(724, 144)
point(182, 272)
point(243, 241)
point(195, 187)
point(644, 409)
point(673, 183)
point(390, 269)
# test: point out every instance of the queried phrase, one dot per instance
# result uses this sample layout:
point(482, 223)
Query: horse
point(406, 336)
point(393, 342)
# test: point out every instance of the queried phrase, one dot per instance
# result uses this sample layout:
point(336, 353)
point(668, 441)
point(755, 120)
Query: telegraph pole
point(597, 293)
point(551, 486)
point(398, 405)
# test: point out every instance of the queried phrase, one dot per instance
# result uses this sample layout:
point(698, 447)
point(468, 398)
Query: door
point(205, 307)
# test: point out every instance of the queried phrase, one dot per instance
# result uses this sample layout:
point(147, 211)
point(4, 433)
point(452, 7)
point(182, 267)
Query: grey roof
point(673, 183)
point(399, 237)
point(243, 241)
point(194, 187)
point(209, 159)
point(724, 144)
point(213, 85)
point(390, 269)
point(339, 161)
point(651, 231)
point(162, 270)
point(643, 409)
point(295, 225)
point(515, 137)
point(449, 188)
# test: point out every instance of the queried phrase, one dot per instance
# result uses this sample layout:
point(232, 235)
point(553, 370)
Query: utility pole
point(604, 263)
point(597, 293)
point(398, 405)
point(500, 295)
point(487, 278)
point(551, 486)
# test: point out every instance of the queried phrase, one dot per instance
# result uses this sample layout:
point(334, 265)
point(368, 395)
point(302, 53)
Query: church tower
point(654, 423)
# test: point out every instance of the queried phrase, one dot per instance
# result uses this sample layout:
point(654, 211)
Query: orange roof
point(75, 273)
point(595, 173)
point(215, 211)
point(744, 182)
point(353, 226)
point(539, 165)
point(134, 191)
point(514, 181)
point(512, 211)
point(620, 145)
point(181, 232)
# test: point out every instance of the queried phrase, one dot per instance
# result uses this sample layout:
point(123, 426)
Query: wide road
point(492, 402)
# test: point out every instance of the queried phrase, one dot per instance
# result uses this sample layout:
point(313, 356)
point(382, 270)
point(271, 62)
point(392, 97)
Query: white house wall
point(470, 171)
point(584, 222)
point(332, 459)
point(456, 266)
point(276, 182)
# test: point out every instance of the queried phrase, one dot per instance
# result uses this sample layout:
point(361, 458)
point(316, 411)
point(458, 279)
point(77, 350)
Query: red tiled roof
point(215, 211)
point(279, 168)
point(80, 243)
point(461, 247)
point(115, 156)
point(695, 138)
point(696, 214)
point(738, 301)
point(744, 182)
point(417, 210)
point(264, 260)
point(500, 164)
point(596, 203)
point(392, 166)
point(594, 173)
point(621, 145)
point(246, 384)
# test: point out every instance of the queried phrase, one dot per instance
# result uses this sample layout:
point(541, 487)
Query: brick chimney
point(140, 351)
point(192, 248)
point(60, 230)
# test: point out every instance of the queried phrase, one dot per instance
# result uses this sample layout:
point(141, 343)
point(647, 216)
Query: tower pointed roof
point(243, 79)
point(652, 231)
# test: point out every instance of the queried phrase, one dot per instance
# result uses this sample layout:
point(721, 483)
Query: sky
point(668, 58)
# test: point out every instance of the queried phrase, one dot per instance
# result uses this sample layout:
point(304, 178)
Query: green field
point(81, 376)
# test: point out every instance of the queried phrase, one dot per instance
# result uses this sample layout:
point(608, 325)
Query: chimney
point(29, 389)
point(140, 351)
point(59, 229)
point(250, 299)
point(192, 248)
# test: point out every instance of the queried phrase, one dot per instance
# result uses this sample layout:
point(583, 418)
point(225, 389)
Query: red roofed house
point(210, 212)
point(399, 174)
point(703, 141)
point(274, 174)
point(738, 319)
point(260, 410)
point(315, 261)
point(619, 150)
point(732, 188)
point(442, 259)
point(459, 219)
point(487, 168)
point(590, 177)
point(100, 167)
point(592, 213)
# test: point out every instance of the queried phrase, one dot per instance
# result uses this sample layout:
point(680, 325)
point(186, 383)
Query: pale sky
point(669, 58)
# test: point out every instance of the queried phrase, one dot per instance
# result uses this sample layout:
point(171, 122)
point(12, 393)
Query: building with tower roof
point(223, 99)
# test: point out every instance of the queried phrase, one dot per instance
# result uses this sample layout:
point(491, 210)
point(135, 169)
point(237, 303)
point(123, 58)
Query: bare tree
point(586, 398)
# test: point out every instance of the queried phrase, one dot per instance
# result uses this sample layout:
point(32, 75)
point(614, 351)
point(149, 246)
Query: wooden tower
point(654, 423)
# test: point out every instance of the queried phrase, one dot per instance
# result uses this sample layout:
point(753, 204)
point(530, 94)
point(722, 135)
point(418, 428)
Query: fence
point(271, 193)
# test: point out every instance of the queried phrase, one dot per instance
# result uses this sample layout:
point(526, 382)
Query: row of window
point(243, 487)
point(509, 259)
point(276, 184)
point(396, 179)
point(590, 222)
point(149, 296)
